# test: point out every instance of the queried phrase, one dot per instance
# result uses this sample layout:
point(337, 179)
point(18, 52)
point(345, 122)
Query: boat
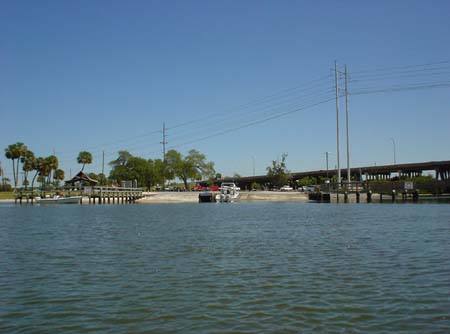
point(228, 193)
point(59, 200)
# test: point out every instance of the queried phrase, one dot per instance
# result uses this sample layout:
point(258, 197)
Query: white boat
point(228, 193)
point(59, 200)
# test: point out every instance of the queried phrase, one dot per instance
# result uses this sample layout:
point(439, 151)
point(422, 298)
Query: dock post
point(346, 197)
point(393, 195)
point(357, 196)
point(369, 196)
point(381, 197)
point(90, 199)
point(415, 196)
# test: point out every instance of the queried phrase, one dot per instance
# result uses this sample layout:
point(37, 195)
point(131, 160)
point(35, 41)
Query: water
point(243, 268)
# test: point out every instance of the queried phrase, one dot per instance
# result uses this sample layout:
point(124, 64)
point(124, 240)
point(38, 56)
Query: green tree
point(15, 152)
point(36, 167)
point(53, 164)
point(28, 161)
point(129, 168)
point(84, 158)
point(306, 181)
point(255, 186)
point(102, 180)
point(123, 158)
point(278, 173)
point(58, 175)
point(192, 167)
point(160, 172)
point(42, 168)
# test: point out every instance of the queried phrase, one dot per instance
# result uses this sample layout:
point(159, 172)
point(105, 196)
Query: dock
point(90, 195)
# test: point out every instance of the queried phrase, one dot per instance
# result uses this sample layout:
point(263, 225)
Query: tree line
point(126, 167)
point(45, 168)
point(148, 173)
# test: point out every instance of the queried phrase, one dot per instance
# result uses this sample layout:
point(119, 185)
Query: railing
point(115, 189)
point(102, 189)
point(386, 187)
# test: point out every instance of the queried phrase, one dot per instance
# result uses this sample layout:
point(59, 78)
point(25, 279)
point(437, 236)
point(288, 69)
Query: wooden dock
point(90, 195)
point(112, 195)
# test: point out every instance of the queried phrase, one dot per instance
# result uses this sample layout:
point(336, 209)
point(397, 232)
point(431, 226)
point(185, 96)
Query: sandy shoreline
point(246, 196)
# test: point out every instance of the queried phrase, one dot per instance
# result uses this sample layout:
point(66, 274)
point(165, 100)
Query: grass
point(6, 195)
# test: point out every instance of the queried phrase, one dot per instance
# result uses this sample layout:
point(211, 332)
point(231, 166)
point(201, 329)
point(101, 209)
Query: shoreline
point(259, 196)
point(246, 196)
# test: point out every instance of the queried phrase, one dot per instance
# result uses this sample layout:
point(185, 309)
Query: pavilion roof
point(82, 177)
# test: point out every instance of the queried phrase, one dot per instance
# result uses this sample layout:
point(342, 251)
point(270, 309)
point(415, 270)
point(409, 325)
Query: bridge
point(441, 170)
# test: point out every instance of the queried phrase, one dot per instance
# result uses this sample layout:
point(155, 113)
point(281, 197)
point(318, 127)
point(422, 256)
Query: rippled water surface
point(243, 268)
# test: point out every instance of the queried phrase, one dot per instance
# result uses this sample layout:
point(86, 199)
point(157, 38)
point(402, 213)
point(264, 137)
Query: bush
point(255, 186)
point(5, 187)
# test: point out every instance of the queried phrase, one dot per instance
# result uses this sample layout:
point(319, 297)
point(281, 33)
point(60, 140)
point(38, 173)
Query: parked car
point(203, 186)
point(309, 189)
point(286, 188)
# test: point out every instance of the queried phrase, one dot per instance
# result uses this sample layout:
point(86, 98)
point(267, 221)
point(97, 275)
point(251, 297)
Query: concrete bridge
point(441, 170)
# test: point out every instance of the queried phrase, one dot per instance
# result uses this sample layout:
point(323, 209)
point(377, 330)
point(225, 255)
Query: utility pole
point(393, 143)
point(103, 162)
point(337, 128)
point(326, 155)
point(164, 142)
point(349, 178)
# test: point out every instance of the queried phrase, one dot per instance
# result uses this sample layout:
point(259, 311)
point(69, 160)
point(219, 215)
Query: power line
point(304, 86)
point(242, 117)
point(401, 76)
point(219, 133)
point(372, 90)
point(380, 69)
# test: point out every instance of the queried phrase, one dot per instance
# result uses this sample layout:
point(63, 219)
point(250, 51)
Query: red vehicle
point(203, 186)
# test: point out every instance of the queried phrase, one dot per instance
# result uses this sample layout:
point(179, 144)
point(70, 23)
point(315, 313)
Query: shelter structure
point(81, 179)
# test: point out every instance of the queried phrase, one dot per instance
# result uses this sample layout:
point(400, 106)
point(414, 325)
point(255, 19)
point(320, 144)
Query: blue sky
point(105, 75)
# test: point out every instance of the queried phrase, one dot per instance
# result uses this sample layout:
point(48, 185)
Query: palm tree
point(44, 171)
point(59, 175)
point(38, 164)
point(15, 152)
point(28, 161)
point(84, 158)
point(52, 162)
